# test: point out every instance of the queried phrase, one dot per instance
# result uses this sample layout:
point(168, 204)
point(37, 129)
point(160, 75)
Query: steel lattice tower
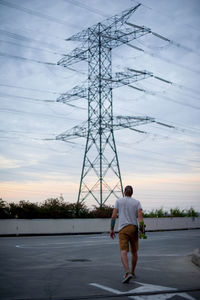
point(100, 176)
point(100, 152)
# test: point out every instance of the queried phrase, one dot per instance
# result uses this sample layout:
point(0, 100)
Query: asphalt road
point(89, 267)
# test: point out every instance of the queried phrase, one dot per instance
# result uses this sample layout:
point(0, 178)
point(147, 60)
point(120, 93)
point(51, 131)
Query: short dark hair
point(128, 191)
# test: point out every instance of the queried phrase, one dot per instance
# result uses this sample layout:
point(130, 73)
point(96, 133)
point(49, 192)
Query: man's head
point(128, 191)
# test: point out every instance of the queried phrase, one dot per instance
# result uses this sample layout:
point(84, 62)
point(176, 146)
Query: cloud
point(29, 160)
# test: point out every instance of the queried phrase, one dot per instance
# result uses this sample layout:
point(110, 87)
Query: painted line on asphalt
point(147, 292)
point(68, 245)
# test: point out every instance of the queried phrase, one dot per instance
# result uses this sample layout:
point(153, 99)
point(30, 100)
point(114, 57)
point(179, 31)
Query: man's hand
point(112, 234)
point(142, 230)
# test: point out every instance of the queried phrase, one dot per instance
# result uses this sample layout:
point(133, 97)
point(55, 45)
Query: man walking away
point(129, 210)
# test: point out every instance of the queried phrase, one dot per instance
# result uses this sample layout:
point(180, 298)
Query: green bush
point(191, 213)
point(57, 208)
point(24, 210)
point(4, 210)
point(102, 212)
point(155, 213)
point(176, 212)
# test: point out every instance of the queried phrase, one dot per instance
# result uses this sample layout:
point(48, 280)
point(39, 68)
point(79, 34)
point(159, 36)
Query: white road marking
point(64, 244)
point(103, 287)
point(161, 297)
point(146, 288)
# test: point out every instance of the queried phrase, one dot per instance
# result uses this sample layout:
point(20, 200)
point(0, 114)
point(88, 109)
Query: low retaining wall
point(75, 226)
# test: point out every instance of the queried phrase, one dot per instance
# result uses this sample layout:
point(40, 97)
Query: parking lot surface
point(89, 267)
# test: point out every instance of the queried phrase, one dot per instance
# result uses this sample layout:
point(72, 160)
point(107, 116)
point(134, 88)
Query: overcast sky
point(163, 165)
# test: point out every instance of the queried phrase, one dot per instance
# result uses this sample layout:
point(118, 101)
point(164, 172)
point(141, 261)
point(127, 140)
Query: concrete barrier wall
point(73, 226)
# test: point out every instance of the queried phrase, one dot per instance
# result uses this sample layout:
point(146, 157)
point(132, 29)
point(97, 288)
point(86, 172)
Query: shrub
point(80, 210)
point(176, 212)
point(4, 210)
point(155, 213)
point(24, 210)
point(102, 212)
point(57, 208)
point(191, 213)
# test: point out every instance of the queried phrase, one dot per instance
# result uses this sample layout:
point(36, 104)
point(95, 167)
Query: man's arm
point(112, 225)
point(141, 224)
point(140, 216)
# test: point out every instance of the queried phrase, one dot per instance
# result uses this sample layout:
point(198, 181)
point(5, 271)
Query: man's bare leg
point(124, 258)
point(134, 261)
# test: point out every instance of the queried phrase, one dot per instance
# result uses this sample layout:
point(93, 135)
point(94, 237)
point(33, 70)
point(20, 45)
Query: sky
point(163, 165)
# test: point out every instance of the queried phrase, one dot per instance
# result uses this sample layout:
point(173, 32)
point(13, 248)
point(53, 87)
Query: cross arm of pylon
point(121, 122)
point(119, 79)
point(115, 20)
point(75, 93)
point(119, 20)
point(115, 38)
point(150, 74)
point(76, 55)
point(132, 121)
point(75, 132)
point(81, 36)
point(113, 31)
point(152, 32)
point(122, 36)
point(127, 77)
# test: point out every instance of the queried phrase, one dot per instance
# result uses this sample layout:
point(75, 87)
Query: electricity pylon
point(100, 176)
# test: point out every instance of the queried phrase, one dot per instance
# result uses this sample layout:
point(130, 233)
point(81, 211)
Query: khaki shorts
point(129, 235)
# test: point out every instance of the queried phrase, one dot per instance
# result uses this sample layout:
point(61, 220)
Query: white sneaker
point(127, 277)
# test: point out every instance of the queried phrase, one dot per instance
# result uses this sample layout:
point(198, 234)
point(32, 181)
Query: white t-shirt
point(127, 211)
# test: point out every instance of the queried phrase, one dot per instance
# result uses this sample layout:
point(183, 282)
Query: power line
point(164, 97)
point(147, 92)
point(22, 132)
point(164, 14)
point(38, 61)
point(161, 37)
point(187, 68)
point(181, 89)
point(89, 8)
point(169, 61)
point(27, 59)
point(34, 113)
point(37, 100)
point(34, 48)
point(178, 129)
point(54, 64)
point(181, 128)
point(22, 38)
point(173, 162)
point(29, 89)
point(26, 98)
point(36, 13)
point(185, 95)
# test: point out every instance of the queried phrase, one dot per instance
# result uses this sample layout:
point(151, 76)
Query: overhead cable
point(37, 61)
point(29, 89)
point(89, 8)
point(23, 38)
point(34, 48)
point(36, 13)
point(165, 15)
point(28, 98)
